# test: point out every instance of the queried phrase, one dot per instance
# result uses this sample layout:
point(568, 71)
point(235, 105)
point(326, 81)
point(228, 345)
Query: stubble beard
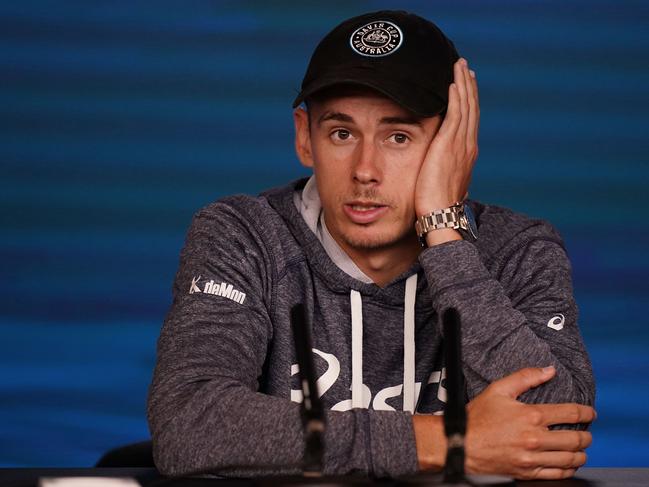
point(379, 241)
point(392, 236)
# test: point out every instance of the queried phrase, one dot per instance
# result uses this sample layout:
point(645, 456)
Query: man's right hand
point(508, 437)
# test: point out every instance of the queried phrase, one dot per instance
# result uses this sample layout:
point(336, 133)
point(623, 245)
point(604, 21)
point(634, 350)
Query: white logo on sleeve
point(224, 289)
point(194, 287)
point(557, 322)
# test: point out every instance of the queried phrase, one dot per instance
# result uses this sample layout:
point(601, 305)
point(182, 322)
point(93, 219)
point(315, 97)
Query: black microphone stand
point(455, 416)
point(312, 412)
point(455, 410)
point(313, 416)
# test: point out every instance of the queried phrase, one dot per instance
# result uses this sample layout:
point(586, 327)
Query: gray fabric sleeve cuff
point(392, 444)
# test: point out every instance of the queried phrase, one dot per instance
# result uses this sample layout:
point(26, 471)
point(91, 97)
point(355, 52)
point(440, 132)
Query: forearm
point(498, 338)
point(223, 428)
point(228, 429)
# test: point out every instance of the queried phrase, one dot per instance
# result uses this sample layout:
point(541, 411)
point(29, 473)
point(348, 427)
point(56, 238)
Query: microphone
point(312, 412)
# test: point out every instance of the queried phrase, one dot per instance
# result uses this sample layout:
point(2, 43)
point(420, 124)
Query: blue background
point(118, 120)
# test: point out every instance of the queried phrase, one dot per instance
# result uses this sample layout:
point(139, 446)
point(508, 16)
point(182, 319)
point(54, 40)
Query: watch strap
point(450, 217)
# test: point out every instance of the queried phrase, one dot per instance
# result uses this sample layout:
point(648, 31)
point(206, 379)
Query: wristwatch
point(458, 217)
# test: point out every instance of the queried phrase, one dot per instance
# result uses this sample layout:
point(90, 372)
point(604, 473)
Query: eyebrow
point(338, 116)
point(401, 121)
point(343, 117)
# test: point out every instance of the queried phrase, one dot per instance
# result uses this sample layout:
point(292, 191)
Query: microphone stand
point(455, 416)
point(312, 412)
point(455, 410)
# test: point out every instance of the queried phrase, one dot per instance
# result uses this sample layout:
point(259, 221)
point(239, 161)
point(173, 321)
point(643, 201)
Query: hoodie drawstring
point(409, 398)
point(409, 344)
point(357, 349)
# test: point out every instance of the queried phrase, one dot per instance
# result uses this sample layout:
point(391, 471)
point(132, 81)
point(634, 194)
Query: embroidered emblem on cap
point(376, 39)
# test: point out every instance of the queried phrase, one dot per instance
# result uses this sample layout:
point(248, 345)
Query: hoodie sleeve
point(522, 314)
point(204, 409)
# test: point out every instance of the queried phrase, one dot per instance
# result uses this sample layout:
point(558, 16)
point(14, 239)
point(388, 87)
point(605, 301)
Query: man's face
point(366, 152)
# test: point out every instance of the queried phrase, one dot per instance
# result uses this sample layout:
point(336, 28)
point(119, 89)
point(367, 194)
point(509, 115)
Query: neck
point(383, 264)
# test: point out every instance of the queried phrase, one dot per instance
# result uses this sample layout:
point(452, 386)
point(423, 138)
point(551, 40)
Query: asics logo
point(222, 289)
point(557, 322)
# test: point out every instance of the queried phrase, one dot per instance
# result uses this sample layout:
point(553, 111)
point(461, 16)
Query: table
point(149, 477)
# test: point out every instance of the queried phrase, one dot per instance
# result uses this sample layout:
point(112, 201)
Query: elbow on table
point(179, 452)
point(169, 454)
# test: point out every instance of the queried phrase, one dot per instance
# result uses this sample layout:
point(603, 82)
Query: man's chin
point(374, 240)
point(366, 243)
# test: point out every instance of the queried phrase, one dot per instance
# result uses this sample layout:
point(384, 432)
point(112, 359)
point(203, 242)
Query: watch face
point(470, 221)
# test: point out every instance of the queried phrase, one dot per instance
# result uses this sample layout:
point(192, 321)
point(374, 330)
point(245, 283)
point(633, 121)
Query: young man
point(376, 245)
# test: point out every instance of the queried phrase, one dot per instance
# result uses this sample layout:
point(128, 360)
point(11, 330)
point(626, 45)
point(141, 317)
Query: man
point(376, 246)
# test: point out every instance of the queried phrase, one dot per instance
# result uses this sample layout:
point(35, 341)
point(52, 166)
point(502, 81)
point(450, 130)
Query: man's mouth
point(364, 207)
point(364, 212)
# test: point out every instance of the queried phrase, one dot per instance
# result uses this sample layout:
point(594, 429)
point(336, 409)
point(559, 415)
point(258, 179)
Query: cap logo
point(376, 39)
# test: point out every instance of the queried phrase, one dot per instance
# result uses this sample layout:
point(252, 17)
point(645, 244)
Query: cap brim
point(413, 98)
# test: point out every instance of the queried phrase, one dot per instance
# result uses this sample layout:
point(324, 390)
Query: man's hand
point(505, 436)
point(445, 174)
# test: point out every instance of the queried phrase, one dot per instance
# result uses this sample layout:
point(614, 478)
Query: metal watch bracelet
point(445, 218)
point(458, 217)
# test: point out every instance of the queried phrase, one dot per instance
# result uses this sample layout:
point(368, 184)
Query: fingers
point(473, 122)
point(463, 113)
point(548, 464)
point(452, 118)
point(517, 383)
point(554, 459)
point(565, 414)
point(446, 169)
point(553, 474)
point(461, 75)
point(568, 441)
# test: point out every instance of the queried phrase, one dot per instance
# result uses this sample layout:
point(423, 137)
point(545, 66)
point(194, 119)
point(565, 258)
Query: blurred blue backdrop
point(120, 119)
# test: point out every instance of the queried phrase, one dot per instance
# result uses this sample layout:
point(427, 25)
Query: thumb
point(515, 384)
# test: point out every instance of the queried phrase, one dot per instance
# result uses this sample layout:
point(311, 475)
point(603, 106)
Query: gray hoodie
point(225, 392)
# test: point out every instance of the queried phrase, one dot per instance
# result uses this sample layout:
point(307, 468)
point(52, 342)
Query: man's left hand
point(445, 174)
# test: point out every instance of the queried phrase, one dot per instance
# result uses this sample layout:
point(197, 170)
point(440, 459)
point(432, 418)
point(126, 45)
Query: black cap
point(399, 54)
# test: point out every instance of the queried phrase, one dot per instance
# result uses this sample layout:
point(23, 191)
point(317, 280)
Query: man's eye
point(342, 134)
point(399, 138)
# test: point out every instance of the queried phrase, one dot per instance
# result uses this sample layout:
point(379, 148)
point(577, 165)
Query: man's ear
point(302, 137)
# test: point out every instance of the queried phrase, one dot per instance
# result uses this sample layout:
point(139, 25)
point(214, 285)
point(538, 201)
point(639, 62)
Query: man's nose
point(367, 169)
